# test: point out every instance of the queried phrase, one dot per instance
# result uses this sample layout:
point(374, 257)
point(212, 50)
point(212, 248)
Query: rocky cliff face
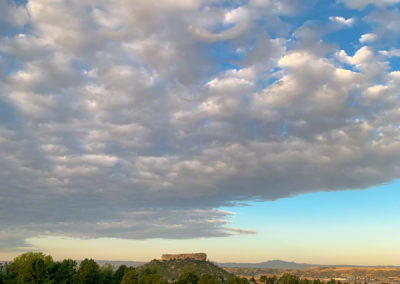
point(195, 256)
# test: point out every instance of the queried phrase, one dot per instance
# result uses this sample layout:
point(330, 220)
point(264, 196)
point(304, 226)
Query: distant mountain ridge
point(281, 264)
point(117, 263)
point(278, 264)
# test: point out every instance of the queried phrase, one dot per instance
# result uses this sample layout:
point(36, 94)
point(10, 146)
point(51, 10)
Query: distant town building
point(195, 256)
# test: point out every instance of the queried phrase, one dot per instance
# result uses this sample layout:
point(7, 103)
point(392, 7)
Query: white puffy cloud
point(394, 52)
point(365, 60)
point(342, 21)
point(237, 15)
point(370, 37)
point(233, 81)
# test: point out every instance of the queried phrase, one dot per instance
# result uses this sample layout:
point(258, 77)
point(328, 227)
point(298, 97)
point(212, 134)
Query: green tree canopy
point(107, 271)
point(89, 272)
point(188, 276)
point(119, 274)
point(268, 279)
point(289, 279)
point(237, 280)
point(65, 272)
point(30, 268)
point(209, 279)
point(130, 277)
point(2, 273)
point(151, 275)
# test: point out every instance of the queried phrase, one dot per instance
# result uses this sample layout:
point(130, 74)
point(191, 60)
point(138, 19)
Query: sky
point(249, 130)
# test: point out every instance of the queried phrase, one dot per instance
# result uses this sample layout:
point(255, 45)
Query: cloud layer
point(141, 119)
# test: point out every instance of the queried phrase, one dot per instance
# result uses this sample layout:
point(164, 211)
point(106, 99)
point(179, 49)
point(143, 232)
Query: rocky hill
point(170, 269)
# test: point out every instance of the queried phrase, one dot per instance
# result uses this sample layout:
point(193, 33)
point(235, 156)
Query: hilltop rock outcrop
point(195, 256)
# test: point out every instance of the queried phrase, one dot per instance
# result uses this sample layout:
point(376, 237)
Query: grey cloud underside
point(117, 120)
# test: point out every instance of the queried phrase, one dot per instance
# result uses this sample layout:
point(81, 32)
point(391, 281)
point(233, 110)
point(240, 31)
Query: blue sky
point(374, 207)
point(272, 126)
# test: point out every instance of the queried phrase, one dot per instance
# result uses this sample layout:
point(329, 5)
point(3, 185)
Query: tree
point(271, 280)
point(29, 268)
point(237, 280)
point(2, 272)
point(305, 281)
point(66, 272)
point(8, 276)
point(288, 279)
point(130, 276)
point(209, 279)
point(33, 272)
point(188, 276)
point(119, 274)
point(89, 272)
point(107, 271)
point(151, 275)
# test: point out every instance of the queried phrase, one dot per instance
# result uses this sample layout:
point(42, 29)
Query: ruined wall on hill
point(196, 256)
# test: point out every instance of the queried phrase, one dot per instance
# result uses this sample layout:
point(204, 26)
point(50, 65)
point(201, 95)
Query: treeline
point(37, 268)
point(42, 269)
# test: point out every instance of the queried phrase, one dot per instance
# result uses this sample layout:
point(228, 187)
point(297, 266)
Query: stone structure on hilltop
point(195, 256)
